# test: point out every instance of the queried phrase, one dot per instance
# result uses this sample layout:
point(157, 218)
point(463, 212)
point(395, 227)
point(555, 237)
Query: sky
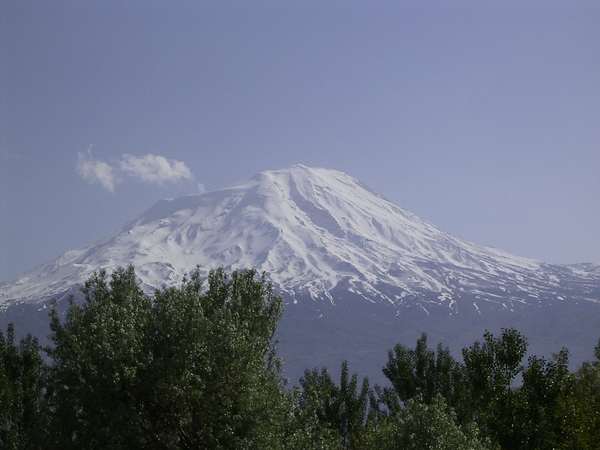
point(481, 117)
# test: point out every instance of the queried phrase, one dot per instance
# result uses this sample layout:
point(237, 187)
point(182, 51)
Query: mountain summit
point(317, 233)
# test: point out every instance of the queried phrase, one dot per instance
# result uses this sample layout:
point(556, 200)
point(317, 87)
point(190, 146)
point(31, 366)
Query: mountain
point(355, 270)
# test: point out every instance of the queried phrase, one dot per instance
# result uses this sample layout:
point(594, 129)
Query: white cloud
point(95, 171)
point(201, 188)
point(148, 168)
point(155, 169)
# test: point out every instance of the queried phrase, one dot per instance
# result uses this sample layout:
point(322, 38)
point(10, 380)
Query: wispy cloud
point(95, 171)
point(155, 169)
point(147, 168)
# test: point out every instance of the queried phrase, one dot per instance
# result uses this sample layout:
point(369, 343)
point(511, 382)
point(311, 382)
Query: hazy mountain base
point(315, 333)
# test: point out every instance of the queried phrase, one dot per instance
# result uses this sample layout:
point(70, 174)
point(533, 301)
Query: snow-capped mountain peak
point(315, 232)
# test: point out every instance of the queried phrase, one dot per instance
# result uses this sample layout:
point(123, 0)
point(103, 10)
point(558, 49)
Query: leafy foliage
point(490, 369)
point(190, 369)
point(22, 383)
point(99, 356)
point(195, 367)
point(214, 369)
point(425, 373)
point(340, 410)
point(586, 408)
point(430, 425)
point(546, 402)
point(541, 413)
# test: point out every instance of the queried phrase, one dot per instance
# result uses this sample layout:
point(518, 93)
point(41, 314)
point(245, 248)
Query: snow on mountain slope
point(315, 232)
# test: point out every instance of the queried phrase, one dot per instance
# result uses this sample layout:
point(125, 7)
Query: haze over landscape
point(481, 119)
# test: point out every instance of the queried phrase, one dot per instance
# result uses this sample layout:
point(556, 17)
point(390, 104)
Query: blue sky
point(481, 117)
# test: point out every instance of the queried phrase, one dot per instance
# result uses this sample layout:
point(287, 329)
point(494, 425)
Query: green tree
point(215, 374)
point(490, 368)
point(587, 402)
point(547, 395)
point(99, 355)
point(23, 412)
point(422, 425)
point(339, 409)
point(319, 397)
point(193, 367)
point(425, 373)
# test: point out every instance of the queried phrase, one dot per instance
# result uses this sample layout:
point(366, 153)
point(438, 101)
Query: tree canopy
point(195, 367)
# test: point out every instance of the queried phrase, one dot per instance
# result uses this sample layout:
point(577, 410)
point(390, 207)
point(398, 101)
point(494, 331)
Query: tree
point(215, 374)
point(587, 402)
point(547, 394)
point(422, 425)
point(490, 368)
point(187, 369)
point(23, 411)
point(425, 373)
point(99, 355)
point(342, 409)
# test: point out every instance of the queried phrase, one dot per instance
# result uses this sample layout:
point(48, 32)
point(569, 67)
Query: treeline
point(195, 367)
